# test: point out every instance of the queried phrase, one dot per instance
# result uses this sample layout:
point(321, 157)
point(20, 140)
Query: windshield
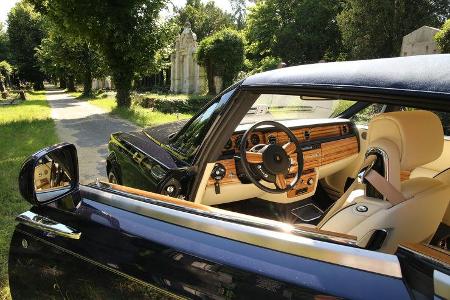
point(287, 107)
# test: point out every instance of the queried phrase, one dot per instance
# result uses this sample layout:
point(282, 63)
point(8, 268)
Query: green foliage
point(239, 12)
point(265, 64)
point(138, 115)
point(127, 33)
point(169, 31)
point(25, 32)
point(443, 38)
point(375, 28)
point(297, 31)
point(187, 104)
point(205, 18)
point(62, 55)
point(222, 54)
point(5, 68)
point(4, 49)
point(5, 71)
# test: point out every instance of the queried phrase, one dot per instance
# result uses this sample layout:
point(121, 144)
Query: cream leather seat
point(403, 141)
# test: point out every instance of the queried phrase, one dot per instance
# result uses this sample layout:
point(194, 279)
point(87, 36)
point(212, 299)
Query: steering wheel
point(271, 162)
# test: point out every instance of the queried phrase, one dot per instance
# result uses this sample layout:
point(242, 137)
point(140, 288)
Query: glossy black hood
point(161, 132)
point(142, 142)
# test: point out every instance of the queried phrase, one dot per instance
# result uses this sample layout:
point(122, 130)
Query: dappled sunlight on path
point(89, 128)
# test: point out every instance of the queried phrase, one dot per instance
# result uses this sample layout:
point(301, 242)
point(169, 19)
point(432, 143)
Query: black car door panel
point(126, 254)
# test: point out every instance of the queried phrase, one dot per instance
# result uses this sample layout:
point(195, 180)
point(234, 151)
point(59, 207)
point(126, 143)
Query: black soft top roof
point(425, 74)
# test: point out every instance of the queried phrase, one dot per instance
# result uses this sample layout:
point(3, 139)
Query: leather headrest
point(418, 135)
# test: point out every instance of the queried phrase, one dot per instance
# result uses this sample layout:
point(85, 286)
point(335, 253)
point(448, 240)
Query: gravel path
point(89, 128)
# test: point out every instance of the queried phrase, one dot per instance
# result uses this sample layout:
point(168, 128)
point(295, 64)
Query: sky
point(6, 5)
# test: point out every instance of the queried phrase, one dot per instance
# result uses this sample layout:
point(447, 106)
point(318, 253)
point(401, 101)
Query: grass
point(140, 116)
point(24, 129)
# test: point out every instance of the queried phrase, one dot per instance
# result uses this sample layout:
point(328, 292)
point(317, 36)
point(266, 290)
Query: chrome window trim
point(295, 244)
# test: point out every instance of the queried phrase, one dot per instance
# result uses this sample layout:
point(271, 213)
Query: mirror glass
point(54, 175)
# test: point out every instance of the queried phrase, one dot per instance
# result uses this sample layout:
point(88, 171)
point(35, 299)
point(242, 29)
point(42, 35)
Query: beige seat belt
point(393, 196)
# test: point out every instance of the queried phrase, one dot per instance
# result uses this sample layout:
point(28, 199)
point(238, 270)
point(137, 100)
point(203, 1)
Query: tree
point(306, 32)
point(4, 50)
point(443, 38)
point(222, 54)
point(69, 58)
point(5, 72)
point(126, 33)
point(375, 28)
point(205, 19)
point(25, 32)
point(239, 12)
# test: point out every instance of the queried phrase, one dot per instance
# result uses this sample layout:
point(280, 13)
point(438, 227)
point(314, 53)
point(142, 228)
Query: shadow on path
point(89, 128)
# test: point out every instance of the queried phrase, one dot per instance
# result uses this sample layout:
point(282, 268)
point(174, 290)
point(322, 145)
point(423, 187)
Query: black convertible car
point(323, 181)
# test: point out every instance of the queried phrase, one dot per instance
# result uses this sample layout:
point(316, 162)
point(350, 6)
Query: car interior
point(379, 177)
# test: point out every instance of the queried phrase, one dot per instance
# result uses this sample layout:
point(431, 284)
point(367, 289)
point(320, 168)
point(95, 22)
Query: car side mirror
point(49, 174)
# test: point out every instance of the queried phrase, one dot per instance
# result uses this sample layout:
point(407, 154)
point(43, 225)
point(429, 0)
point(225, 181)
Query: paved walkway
point(89, 128)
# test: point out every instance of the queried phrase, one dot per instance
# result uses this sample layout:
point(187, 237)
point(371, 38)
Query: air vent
point(307, 134)
point(344, 129)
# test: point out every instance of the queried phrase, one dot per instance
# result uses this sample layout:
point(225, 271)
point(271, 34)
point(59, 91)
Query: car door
point(140, 249)
point(86, 242)
point(426, 270)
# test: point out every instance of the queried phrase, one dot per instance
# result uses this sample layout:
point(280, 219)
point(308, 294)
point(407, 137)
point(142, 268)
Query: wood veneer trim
point(206, 208)
point(230, 167)
point(216, 210)
point(156, 196)
point(427, 251)
point(326, 232)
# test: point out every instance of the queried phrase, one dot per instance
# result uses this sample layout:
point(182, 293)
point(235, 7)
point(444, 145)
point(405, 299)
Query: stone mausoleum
point(186, 75)
point(420, 41)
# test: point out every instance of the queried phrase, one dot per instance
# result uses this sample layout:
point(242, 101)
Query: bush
point(443, 38)
point(222, 54)
point(171, 104)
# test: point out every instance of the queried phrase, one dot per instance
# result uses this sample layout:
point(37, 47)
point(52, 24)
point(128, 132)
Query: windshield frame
point(221, 101)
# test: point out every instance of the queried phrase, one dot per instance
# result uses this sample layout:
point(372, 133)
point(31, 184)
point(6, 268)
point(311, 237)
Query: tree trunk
point(122, 81)
point(71, 84)
point(38, 85)
point(62, 83)
point(210, 77)
point(87, 84)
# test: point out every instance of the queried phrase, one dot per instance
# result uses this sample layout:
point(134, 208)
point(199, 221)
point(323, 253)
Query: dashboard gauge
point(254, 139)
point(238, 142)
point(229, 144)
point(272, 139)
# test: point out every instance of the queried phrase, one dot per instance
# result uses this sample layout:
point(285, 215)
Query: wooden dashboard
point(321, 145)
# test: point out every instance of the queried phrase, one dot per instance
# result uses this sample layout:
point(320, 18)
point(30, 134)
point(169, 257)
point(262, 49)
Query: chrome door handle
point(42, 223)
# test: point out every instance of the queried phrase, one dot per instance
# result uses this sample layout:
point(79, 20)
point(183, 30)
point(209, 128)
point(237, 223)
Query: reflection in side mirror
point(49, 174)
point(51, 178)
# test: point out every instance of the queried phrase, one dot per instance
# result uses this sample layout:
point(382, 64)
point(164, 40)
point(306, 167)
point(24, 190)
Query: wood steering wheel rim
point(257, 158)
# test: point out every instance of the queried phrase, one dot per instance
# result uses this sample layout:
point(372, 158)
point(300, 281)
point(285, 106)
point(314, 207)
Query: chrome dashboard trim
point(296, 243)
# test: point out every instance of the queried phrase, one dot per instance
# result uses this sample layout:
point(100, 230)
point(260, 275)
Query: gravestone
point(420, 41)
point(186, 75)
